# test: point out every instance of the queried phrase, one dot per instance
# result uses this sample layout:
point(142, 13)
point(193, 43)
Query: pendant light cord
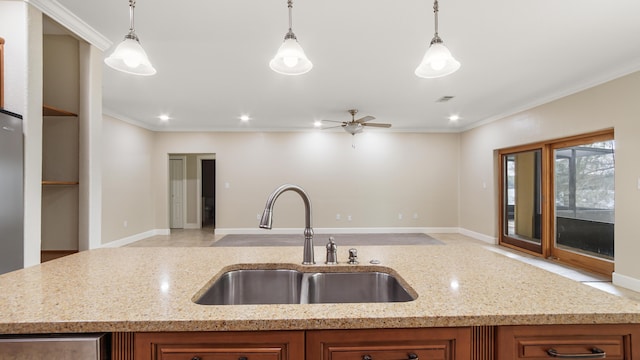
point(132, 5)
point(436, 38)
point(435, 14)
point(290, 6)
point(290, 34)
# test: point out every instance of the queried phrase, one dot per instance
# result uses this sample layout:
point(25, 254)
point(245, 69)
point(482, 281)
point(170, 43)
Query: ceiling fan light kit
point(437, 61)
point(290, 58)
point(129, 56)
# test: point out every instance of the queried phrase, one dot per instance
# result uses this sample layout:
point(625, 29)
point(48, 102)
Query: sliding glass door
point(557, 200)
point(584, 203)
point(522, 207)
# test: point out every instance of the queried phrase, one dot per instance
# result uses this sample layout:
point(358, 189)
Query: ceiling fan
point(356, 126)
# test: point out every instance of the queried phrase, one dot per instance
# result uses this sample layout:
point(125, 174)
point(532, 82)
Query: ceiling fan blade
point(334, 121)
point(364, 119)
point(332, 127)
point(377, 125)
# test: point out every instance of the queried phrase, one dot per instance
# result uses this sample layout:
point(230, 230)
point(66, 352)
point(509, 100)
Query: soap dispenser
point(332, 252)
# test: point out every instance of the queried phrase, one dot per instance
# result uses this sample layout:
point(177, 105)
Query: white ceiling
point(212, 59)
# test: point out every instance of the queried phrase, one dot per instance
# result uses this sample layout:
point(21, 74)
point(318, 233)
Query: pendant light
point(290, 58)
point(438, 60)
point(129, 56)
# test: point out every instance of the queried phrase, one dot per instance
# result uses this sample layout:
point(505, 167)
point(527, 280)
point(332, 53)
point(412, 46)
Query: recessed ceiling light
point(244, 118)
point(454, 117)
point(317, 123)
point(164, 117)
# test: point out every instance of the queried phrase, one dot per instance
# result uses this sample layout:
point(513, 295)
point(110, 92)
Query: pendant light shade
point(290, 58)
point(437, 61)
point(129, 56)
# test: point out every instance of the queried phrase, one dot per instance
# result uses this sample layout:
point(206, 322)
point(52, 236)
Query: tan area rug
point(321, 239)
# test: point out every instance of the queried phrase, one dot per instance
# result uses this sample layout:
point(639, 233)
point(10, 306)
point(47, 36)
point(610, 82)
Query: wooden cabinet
point(389, 344)
point(257, 345)
point(558, 341)
point(617, 342)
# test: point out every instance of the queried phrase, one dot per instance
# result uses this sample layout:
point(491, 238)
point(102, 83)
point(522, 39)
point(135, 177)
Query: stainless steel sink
point(239, 287)
point(284, 286)
point(355, 287)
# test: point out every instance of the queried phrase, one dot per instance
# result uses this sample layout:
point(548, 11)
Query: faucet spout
point(267, 218)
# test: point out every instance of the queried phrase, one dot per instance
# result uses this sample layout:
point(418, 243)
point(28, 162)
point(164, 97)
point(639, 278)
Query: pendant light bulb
point(129, 56)
point(290, 61)
point(437, 61)
point(290, 58)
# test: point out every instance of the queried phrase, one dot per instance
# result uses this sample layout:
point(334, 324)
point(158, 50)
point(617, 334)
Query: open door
point(176, 192)
point(208, 193)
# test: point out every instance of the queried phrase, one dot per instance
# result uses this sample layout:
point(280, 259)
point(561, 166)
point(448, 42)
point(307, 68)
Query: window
point(576, 225)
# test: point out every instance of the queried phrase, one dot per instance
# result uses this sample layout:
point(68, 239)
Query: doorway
point(192, 194)
point(207, 191)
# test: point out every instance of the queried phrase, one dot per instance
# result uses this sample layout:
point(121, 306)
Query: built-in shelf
point(51, 111)
point(50, 182)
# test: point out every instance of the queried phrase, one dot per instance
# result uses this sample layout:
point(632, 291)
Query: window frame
point(584, 261)
point(547, 248)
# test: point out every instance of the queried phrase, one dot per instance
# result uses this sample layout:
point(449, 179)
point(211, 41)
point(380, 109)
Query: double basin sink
point(288, 286)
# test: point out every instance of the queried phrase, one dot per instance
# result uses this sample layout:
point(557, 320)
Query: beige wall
point(192, 189)
point(387, 174)
point(127, 191)
point(613, 104)
point(60, 69)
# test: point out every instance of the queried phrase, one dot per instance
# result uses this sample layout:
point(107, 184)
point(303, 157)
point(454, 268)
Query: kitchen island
point(135, 290)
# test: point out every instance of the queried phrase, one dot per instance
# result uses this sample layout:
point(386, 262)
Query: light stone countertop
point(151, 289)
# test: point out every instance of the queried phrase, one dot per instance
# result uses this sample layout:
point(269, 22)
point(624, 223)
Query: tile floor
point(206, 237)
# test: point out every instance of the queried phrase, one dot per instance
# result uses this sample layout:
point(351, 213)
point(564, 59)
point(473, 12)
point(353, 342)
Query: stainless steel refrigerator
point(11, 192)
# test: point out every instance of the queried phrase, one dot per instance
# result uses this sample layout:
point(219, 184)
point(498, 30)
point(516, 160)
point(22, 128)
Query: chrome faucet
point(267, 219)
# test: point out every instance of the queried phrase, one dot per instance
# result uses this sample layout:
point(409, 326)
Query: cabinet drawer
point(389, 344)
point(208, 353)
point(614, 342)
point(612, 346)
point(227, 345)
point(392, 352)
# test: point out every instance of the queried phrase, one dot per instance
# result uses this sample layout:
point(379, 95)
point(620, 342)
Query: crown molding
point(72, 22)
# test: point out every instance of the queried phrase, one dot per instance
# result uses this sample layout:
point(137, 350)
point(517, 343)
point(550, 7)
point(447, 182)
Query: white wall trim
point(478, 236)
point(626, 282)
point(377, 230)
point(72, 22)
point(316, 231)
point(133, 238)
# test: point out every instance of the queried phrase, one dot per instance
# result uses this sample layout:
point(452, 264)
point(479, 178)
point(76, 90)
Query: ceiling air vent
point(445, 98)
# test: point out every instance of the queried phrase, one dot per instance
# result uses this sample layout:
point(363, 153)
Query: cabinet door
point(389, 344)
point(257, 345)
point(618, 342)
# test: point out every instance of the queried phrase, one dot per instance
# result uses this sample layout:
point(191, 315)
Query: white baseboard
point(377, 230)
point(287, 231)
point(133, 238)
point(626, 282)
point(478, 236)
